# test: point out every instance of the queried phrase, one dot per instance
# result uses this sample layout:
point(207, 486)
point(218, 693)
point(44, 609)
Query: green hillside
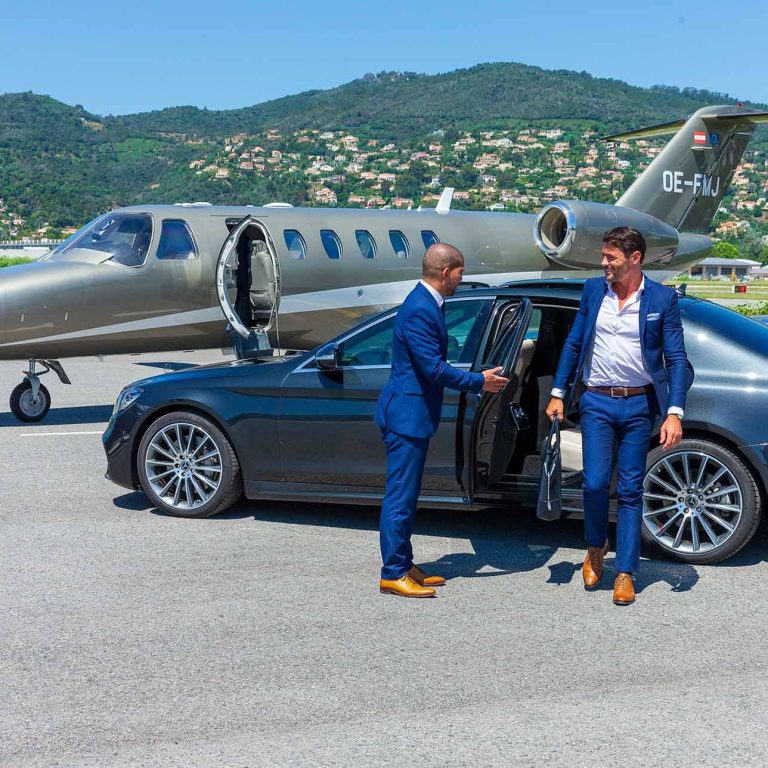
point(60, 165)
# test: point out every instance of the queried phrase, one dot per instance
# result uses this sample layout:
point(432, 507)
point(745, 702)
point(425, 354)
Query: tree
point(723, 250)
point(751, 245)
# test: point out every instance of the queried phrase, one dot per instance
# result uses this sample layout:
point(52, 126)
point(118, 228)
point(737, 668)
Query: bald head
point(443, 268)
point(440, 256)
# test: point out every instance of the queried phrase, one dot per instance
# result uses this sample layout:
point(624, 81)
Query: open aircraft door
point(499, 417)
point(248, 280)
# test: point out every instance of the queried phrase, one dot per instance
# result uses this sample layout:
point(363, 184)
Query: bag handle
point(552, 448)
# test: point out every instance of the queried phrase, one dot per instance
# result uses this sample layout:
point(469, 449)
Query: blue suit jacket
point(661, 341)
point(411, 402)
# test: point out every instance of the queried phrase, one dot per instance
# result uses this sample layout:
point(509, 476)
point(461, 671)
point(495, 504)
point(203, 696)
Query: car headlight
point(127, 397)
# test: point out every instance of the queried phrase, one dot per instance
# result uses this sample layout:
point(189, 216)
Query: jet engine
point(570, 232)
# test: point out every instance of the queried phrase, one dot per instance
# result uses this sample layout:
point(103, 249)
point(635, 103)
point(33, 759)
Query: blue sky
point(118, 58)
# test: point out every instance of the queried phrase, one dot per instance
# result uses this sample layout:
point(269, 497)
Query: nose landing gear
point(30, 400)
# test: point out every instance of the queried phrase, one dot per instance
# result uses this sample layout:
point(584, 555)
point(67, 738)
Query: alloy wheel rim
point(183, 466)
point(692, 503)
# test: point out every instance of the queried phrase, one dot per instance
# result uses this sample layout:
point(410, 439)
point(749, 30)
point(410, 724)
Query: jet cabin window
point(428, 237)
point(122, 238)
point(176, 241)
point(331, 243)
point(366, 243)
point(295, 244)
point(399, 243)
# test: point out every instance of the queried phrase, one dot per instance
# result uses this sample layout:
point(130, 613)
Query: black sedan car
point(301, 426)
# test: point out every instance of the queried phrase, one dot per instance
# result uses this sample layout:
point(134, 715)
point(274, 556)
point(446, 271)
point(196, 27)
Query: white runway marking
point(58, 434)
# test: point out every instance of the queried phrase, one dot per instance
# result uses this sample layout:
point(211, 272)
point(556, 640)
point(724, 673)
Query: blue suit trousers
point(405, 466)
point(622, 425)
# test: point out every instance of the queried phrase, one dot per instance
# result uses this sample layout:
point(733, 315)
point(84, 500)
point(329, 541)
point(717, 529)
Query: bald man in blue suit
point(408, 412)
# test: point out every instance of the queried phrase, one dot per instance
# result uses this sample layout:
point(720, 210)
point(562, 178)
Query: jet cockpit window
point(331, 243)
point(366, 243)
point(399, 243)
point(428, 237)
point(176, 241)
point(295, 244)
point(122, 238)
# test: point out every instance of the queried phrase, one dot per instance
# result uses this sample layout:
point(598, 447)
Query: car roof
point(565, 288)
point(551, 288)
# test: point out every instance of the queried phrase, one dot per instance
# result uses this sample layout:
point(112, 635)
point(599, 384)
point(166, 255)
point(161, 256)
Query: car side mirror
point(328, 357)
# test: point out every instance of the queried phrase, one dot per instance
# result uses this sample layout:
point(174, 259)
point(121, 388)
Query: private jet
point(152, 278)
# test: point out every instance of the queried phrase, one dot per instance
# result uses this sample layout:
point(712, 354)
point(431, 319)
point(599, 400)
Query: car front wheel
point(187, 466)
point(700, 502)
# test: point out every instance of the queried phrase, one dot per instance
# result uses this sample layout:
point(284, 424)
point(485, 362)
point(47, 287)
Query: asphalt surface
point(259, 638)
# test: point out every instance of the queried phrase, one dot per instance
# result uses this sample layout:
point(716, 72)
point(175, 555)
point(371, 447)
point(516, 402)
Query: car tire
point(187, 466)
point(24, 408)
point(715, 509)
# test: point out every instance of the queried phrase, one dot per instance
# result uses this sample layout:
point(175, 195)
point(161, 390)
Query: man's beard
point(615, 275)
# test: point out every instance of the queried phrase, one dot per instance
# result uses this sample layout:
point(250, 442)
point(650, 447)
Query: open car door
point(499, 417)
point(248, 278)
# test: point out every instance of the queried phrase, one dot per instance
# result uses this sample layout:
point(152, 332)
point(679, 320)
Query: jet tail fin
point(688, 179)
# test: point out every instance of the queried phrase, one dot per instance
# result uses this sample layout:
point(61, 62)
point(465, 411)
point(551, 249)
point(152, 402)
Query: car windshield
point(120, 237)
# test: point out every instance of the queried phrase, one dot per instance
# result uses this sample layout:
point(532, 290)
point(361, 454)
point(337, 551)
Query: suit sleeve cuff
point(673, 410)
point(557, 392)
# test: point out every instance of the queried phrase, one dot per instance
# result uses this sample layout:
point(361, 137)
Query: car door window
point(372, 346)
point(465, 321)
point(503, 340)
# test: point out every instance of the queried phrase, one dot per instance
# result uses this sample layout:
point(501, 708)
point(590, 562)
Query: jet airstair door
point(248, 278)
point(500, 416)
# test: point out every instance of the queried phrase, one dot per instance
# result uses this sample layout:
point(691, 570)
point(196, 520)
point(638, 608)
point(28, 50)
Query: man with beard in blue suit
point(627, 346)
point(408, 412)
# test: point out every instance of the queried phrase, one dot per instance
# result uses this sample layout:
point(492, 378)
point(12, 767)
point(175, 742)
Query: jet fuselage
point(76, 303)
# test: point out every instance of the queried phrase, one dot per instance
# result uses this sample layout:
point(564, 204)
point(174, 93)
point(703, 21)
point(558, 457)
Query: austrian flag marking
point(699, 137)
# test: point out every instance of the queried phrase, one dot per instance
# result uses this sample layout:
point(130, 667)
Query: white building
point(715, 268)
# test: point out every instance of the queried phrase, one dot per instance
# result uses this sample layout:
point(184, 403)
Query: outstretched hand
point(493, 382)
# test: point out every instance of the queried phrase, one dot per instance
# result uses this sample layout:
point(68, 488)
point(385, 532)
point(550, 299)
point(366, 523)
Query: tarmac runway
point(259, 638)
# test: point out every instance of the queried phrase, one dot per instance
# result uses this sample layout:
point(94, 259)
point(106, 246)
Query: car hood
point(253, 367)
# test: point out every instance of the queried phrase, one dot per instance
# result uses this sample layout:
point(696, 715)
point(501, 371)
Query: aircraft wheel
point(24, 407)
point(187, 466)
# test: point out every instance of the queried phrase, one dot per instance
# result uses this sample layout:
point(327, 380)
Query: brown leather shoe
point(592, 569)
point(405, 586)
point(624, 589)
point(425, 581)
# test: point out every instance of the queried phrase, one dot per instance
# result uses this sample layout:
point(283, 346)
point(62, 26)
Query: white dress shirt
point(436, 295)
point(616, 359)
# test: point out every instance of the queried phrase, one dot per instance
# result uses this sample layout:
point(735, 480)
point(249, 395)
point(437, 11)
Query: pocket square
point(653, 315)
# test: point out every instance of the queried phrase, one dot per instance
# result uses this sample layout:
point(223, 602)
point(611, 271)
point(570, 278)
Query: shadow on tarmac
point(77, 414)
point(135, 501)
point(495, 544)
